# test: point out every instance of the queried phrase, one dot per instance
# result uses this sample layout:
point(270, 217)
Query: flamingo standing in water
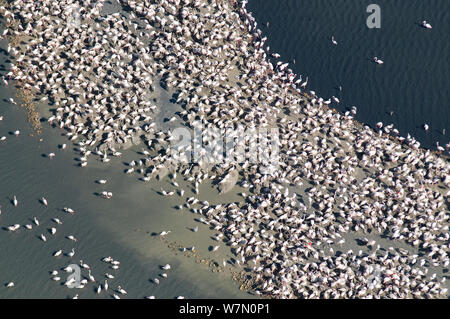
point(334, 41)
point(15, 202)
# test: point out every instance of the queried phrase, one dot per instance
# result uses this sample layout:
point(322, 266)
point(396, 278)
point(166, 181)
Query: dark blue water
point(413, 82)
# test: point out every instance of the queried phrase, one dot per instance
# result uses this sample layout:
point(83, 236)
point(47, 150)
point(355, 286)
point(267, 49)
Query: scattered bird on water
point(71, 253)
point(57, 253)
point(84, 265)
point(166, 267)
point(68, 269)
point(36, 221)
point(10, 284)
point(44, 201)
point(13, 227)
point(15, 202)
point(378, 61)
point(69, 210)
point(334, 41)
point(12, 101)
point(426, 127)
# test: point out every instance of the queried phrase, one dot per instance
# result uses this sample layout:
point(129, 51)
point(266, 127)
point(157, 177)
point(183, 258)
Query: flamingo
point(426, 25)
point(164, 233)
point(44, 201)
point(304, 84)
point(91, 278)
point(71, 237)
point(84, 265)
point(121, 290)
point(68, 269)
point(15, 202)
point(166, 267)
point(69, 210)
point(440, 148)
point(378, 61)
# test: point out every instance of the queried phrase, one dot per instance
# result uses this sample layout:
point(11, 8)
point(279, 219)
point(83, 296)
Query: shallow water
point(412, 82)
